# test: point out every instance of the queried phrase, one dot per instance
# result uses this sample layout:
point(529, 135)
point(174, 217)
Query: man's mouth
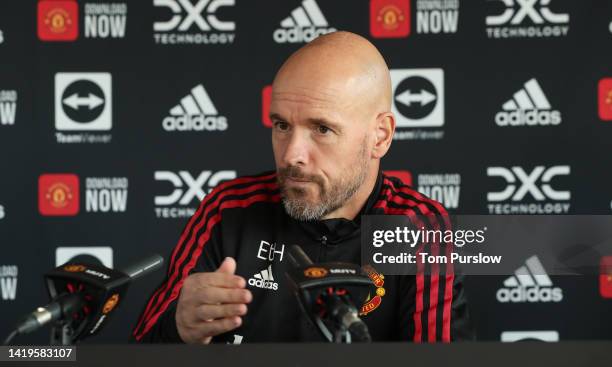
point(298, 180)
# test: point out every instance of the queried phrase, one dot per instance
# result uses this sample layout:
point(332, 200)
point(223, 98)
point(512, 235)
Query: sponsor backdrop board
point(117, 117)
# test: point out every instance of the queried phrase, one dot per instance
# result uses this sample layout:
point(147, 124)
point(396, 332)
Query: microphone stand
point(62, 333)
point(326, 293)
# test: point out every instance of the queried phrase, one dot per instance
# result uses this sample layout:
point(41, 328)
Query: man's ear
point(384, 130)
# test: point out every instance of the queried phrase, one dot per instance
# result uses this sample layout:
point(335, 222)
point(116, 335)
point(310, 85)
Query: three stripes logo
point(305, 23)
point(530, 283)
point(264, 279)
point(528, 107)
point(195, 112)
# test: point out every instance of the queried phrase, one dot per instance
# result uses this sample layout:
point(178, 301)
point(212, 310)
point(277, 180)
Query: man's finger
point(228, 266)
point(224, 280)
point(210, 312)
point(220, 326)
point(215, 295)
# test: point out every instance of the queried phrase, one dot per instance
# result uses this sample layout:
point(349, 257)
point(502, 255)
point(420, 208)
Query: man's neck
point(351, 208)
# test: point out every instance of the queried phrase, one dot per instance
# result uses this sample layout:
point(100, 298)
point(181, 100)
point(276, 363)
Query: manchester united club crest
point(374, 298)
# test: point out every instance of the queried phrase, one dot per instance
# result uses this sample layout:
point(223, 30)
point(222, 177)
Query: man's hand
point(211, 303)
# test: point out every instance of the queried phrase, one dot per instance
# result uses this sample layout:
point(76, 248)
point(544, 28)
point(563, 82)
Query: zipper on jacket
point(323, 240)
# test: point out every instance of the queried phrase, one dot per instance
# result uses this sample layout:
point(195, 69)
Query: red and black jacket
point(241, 217)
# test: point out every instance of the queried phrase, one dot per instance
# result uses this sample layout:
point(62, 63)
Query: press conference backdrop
point(117, 117)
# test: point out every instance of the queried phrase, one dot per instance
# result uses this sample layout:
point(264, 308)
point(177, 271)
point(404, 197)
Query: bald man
point(332, 124)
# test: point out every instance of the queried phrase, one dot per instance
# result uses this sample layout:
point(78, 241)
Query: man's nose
point(297, 151)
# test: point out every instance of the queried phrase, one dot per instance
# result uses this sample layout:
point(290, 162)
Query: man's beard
point(297, 204)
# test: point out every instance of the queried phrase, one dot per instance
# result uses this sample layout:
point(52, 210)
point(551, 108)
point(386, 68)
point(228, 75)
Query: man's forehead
point(313, 97)
point(310, 106)
point(315, 92)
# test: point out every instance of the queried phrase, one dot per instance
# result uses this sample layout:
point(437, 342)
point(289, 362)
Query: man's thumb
point(228, 266)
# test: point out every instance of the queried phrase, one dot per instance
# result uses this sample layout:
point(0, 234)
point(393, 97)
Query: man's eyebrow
point(276, 116)
point(322, 121)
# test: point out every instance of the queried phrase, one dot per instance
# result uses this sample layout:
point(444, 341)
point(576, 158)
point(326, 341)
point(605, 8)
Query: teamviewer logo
point(102, 255)
point(418, 97)
point(83, 101)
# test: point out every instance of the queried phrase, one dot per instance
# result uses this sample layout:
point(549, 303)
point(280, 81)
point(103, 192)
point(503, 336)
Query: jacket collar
point(338, 229)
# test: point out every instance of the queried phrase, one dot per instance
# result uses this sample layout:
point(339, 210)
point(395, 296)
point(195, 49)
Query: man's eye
point(322, 129)
point(281, 125)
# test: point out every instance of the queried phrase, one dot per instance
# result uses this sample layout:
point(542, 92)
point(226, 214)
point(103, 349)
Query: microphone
point(84, 295)
point(298, 258)
point(144, 266)
point(62, 306)
point(327, 293)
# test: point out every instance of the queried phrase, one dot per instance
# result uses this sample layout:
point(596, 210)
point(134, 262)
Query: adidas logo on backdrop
point(305, 23)
point(529, 106)
point(195, 112)
point(530, 283)
point(264, 279)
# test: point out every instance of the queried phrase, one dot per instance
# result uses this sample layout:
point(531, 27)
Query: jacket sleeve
point(433, 305)
point(198, 250)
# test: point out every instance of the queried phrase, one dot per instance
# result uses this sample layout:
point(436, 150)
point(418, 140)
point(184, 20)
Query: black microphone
point(59, 308)
point(298, 258)
point(327, 292)
point(144, 266)
point(86, 294)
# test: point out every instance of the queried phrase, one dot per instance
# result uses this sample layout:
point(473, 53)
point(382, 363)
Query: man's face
point(321, 147)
